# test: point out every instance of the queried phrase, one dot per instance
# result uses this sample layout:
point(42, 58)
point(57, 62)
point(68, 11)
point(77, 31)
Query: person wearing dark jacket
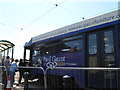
point(21, 70)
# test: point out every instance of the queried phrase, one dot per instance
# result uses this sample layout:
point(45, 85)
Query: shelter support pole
point(12, 51)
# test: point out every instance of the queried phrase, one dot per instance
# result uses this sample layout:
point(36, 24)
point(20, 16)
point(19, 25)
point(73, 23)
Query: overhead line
point(22, 28)
point(71, 12)
point(41, 16)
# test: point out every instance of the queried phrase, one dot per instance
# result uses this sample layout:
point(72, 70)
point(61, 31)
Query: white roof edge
point(98, 20)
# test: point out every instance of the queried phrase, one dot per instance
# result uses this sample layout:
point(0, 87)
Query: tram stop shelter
point(6, 46)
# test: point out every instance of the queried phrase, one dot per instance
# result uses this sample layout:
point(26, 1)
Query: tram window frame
point(119, 38)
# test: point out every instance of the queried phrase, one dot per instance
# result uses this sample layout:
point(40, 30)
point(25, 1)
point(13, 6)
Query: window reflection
point(68, 44)
point(36, 52)
point(93, 63)
point(108, 39)
point(75, 45)
point(92, 44)
point(109, 61)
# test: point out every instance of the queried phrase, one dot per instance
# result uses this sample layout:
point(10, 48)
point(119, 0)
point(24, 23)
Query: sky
point(20, 20)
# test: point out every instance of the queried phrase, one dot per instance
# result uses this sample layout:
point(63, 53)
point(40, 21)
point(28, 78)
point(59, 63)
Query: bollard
point(26, 75)
point(66, 81)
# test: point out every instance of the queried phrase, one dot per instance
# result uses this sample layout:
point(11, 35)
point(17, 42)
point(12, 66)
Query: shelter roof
point(4, 45)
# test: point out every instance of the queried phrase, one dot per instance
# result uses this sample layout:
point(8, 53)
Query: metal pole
point(12, 51)
point(45, 78)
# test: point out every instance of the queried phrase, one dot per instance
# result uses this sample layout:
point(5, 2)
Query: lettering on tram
point(53, 61)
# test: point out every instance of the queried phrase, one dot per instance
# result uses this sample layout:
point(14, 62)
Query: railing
point(69, 77)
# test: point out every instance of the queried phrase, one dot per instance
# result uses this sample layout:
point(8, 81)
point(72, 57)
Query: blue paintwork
point(72, 59)
point(75, 59)
point(80, 31)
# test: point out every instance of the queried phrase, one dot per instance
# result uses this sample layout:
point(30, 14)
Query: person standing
point(5, 74)
point(21, 71)
point(7, 64)
point(13, 68)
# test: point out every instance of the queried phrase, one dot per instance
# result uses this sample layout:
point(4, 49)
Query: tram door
point(100, 53)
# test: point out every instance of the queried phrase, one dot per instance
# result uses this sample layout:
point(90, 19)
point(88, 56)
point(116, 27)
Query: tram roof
point(4, 45)
point(79, 26)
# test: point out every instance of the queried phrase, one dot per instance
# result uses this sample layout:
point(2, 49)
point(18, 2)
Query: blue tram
point(91, 43)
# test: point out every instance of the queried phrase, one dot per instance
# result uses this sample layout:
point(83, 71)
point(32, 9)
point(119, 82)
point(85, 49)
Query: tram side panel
point(68, 59)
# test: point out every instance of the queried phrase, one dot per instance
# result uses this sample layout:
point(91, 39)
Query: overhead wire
point(9, 26)
point(71, 12)
point(56, 5)
point(52, 2)
point(22, 28)
point(67, 10)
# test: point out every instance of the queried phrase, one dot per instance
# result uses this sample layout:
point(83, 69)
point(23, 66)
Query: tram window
point(50, 50)
point(74, 45)
point(69, 44)
point(92, 44)
point(56, 48)
point(36, 52)
point(27, 54)
point(108, 39)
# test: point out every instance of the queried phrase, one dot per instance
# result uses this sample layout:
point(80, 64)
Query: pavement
point(20, 87)
point(15, 86)
point(32, 84)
